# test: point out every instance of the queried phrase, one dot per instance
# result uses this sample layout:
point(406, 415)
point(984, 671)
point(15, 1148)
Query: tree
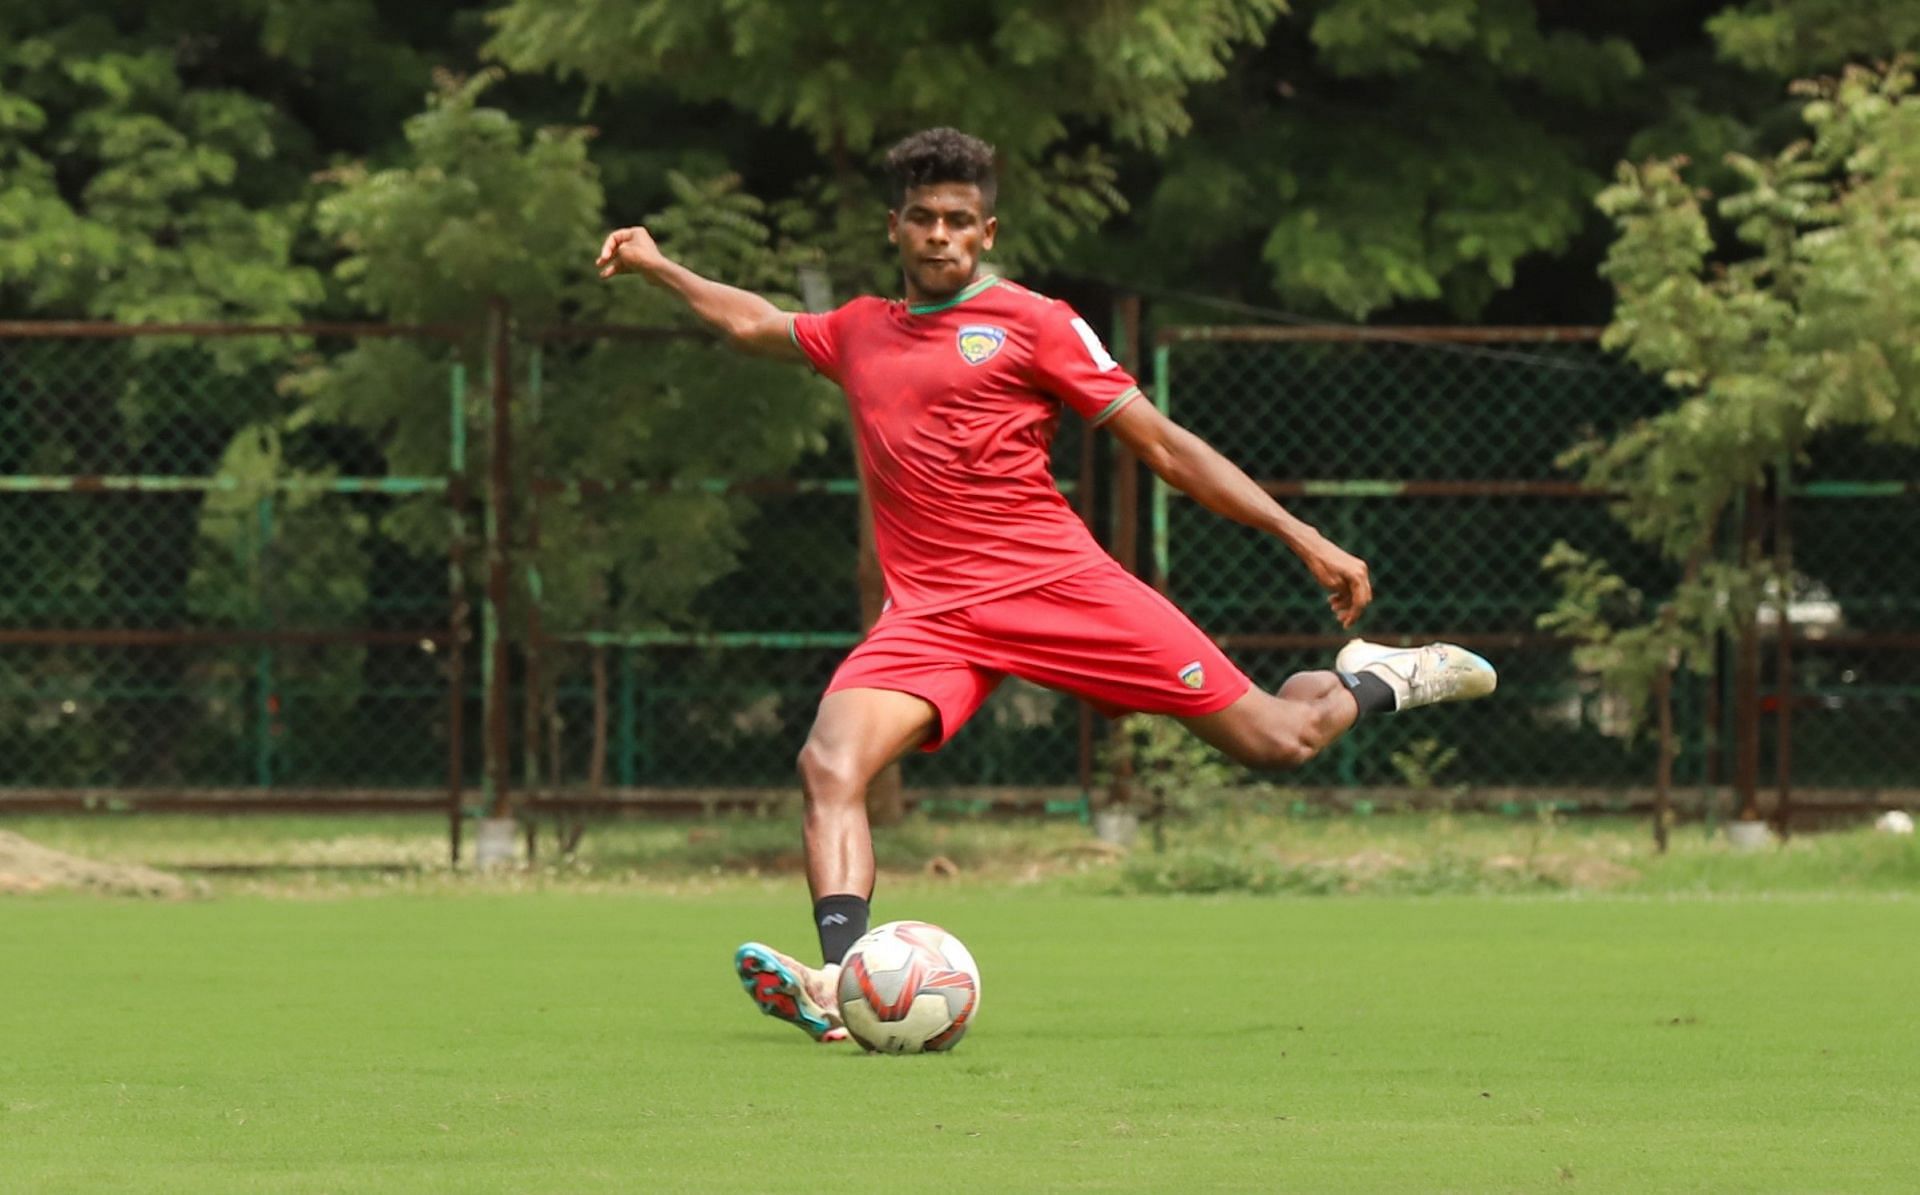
point(484, 211)
point(1410, 160)
point(1800, 329)
point(1376, 153)
point(1044, 83)
point(1794, 37)
point(126, 193)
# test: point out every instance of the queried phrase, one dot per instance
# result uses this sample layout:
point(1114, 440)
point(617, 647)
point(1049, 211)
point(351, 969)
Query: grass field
point(556, 1036)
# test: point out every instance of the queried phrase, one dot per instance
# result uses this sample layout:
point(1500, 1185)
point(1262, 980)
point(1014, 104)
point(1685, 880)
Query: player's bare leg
point(857, 733)
point(1286, 729)
point(1283, 729)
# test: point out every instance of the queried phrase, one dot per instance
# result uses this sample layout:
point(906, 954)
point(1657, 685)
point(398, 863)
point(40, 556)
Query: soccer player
point(955, 391)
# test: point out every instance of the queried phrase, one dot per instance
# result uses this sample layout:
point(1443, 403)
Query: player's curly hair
point(941, 155)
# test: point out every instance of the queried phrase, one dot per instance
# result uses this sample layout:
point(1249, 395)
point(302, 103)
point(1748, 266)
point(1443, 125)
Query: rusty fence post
point(1783, 649)
point(494, 845)
point(459, 613)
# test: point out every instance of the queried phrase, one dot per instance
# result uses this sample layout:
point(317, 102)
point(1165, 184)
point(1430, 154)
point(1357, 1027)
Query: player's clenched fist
point(1344, 576)
point(629, 251)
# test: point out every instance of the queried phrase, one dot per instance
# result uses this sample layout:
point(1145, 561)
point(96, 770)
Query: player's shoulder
point(1023, 302)
point(862, 306)
point(859, 315)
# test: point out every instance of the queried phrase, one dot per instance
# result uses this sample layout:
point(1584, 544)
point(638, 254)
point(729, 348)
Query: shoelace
point(1424, 683)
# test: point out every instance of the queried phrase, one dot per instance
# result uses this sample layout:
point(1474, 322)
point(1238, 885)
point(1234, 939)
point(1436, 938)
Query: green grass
point(470, 1039)
point(1380, 855)
point(1488, 855)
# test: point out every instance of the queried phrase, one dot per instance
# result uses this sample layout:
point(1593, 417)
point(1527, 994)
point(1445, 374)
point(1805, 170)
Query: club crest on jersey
point(1193, 676)
point(979, 342)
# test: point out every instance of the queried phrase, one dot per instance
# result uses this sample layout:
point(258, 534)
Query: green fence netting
point(201, 591)
point(720, 692)
point(1435, 459)
point(1853, 686)
point(217, 583)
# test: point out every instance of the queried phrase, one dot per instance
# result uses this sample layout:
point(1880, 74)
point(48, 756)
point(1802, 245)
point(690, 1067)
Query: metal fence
point(710, 706)
point(221, 594)
point(205, 603)
point(1431, 453)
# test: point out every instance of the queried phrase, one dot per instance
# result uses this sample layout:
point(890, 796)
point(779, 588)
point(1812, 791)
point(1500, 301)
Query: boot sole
point(776, 990)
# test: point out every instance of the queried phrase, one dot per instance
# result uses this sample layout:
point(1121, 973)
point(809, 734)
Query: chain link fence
point(1843, 704)
point(222, 591)
point(708, 705)
point(1432, 454)
point(204, 599)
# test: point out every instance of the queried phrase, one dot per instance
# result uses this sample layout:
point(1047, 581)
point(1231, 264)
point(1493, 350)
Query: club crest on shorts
point(979, 342)
point(1193, 676)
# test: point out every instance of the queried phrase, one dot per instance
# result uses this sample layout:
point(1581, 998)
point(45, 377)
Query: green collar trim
point(972, 288)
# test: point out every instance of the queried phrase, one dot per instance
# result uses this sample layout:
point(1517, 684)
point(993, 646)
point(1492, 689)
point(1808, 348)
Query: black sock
point(1370, 693)
point(842, 918)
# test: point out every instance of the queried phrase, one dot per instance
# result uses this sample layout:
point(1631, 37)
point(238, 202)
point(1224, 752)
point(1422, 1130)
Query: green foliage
point(1398, 855)
point(1792, 37)
point(1024, 77)
point(1446, 199)
point(1807, 330)
point(124, 190)
point(1170, 773)
point(1238, 869)
point(1018, 74)
point(717, 229)
point(479, 211)
point(1399, 37)
point(1358, 154)
point(1423, 761)
point(1389, 151)
point(678, 411)
point(483, 209)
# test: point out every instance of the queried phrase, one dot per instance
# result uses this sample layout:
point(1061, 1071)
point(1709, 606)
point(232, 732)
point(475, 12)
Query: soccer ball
point(907, 986)
point(1894, 821)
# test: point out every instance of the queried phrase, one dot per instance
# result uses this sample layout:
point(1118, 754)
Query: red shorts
point(1102, 635)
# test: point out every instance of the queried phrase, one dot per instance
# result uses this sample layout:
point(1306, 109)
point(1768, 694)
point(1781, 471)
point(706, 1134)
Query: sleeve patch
point(1102, 359)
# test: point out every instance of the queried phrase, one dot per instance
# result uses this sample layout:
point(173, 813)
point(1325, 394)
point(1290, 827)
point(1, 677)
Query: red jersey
point(954, 408)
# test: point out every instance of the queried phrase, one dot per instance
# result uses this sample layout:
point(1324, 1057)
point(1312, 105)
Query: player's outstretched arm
point(749, 322)
point(1188, 464)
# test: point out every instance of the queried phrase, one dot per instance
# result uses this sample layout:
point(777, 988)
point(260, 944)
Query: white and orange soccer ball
point(908, 987)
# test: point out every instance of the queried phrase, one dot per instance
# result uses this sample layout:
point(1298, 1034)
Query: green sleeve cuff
point(1113, 408)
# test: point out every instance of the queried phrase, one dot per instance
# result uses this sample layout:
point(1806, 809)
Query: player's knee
point(828, 774)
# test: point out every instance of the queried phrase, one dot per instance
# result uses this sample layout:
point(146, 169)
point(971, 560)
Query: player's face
point(942, 229)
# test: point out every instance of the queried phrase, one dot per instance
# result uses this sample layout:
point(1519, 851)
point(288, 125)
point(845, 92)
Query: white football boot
point(788, 989)
point(1420, 675)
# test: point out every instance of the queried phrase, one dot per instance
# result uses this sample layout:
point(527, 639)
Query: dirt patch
point(1579, 872)
point(28, 867)
point(1586, 872)
point(1364, 867)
